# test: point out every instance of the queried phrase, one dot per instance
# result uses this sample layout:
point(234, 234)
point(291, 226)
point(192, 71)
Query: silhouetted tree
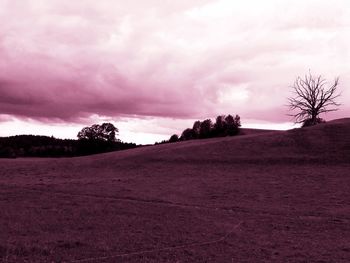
point(232, 124)
point(97, 138)
point(174, 138)
point(196, 129)
point(311, 98)
point(187, 134)
point(105, 132)
point(219, 126)
point(205, 129)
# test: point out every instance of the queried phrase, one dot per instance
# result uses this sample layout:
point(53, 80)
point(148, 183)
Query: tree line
point(224, 125)
point(91, 140)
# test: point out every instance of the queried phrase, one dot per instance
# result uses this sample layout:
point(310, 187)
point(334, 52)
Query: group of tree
point(105, 132)
point(223, 126)
point(91, 140)
point(98, 138)
point(312, 97)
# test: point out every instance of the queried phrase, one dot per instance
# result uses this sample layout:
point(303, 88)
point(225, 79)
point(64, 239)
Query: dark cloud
point(187, 59)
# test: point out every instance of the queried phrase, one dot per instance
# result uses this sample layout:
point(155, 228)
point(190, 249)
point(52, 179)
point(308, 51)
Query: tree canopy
point(105, 132)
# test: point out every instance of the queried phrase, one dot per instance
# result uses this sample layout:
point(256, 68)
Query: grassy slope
point(276, 196)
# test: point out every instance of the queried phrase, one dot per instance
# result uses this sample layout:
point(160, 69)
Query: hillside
point(280, 196)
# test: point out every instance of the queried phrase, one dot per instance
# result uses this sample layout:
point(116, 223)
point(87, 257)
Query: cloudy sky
point(152, 67)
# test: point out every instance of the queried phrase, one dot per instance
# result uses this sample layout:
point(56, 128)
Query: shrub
point(311, 122)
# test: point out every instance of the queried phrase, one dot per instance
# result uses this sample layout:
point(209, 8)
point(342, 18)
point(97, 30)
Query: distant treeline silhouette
point(91, 140)
point(223, 126)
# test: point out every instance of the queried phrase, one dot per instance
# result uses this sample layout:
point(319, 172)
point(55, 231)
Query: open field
point(279, 196)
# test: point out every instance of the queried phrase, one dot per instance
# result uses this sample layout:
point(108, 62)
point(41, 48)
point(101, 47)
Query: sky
point(153, 67)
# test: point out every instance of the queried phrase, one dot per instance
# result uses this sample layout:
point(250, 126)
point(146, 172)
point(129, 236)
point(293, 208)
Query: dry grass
point(261, 197)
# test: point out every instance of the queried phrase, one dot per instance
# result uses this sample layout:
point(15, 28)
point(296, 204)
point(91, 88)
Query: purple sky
point(153, 67)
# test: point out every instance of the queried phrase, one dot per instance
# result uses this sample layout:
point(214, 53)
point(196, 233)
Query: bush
point(311, 122)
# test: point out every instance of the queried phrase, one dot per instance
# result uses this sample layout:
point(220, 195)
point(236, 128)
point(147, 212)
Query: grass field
point(281, 196)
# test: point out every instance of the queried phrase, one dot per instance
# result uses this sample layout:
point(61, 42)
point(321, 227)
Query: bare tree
point(312, 97)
